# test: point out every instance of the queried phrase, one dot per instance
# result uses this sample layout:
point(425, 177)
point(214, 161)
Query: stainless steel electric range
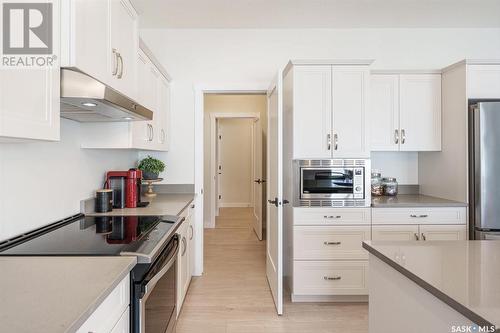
point(152, 239)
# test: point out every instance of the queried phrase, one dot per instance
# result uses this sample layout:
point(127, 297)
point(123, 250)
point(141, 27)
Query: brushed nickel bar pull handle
point(419, 216)
point(332, 278)
point(396, 136)
point(332, 216)
point(403, 136)
point(332, 243)
point(423, 237)
point(329, 141)
point(416, 236)
point(115, 69)
point(335, 141)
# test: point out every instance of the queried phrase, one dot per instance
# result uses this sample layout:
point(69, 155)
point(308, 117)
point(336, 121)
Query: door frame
point(199, 91)
point(214, 117)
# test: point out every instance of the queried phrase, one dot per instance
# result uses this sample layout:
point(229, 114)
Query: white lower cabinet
point(395, 232)
point(185, 258)
point(112, 314)
point(443, 232)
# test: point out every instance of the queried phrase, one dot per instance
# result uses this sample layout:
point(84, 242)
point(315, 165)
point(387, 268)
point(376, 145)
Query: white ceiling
point(318, 13)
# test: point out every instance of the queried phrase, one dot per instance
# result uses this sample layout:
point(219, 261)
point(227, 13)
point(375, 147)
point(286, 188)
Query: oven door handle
point(151, 283)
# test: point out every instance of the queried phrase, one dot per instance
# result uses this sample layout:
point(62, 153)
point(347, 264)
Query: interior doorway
point(235, 156)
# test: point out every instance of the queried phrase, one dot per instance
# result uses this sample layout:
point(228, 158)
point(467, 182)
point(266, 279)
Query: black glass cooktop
point(89, 235)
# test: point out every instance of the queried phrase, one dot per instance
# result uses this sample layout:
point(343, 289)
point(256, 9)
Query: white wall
point(41, 182)
point(253, 56)
point(236, 161)
point(401, 165)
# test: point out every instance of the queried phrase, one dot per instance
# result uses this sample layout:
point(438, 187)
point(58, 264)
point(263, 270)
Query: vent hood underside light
point(86, 99)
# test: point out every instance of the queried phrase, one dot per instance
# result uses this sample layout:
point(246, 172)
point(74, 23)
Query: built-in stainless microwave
point(333, 182)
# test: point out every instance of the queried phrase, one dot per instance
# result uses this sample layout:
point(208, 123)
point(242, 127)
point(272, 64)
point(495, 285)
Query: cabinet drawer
point(419, 215)
point(330, 278)
point(331, 216)
point(110, 310)
point(330, 242)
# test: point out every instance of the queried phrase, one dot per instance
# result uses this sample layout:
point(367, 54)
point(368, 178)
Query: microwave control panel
point(358, 181)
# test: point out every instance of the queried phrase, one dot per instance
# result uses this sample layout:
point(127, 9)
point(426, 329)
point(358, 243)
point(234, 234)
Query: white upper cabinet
point(100, 38)
point(312, 112)
point(420, 112)
point(405, 112)
point(384, 111)
point(349, 102)
point(124, 43)
point(483, 81)
point(328, 105)
point(29, 97)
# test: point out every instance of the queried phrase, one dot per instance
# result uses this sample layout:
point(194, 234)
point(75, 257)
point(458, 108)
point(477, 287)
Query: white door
point(384, 113)
point(257, 177)
point(218, 167)
point(395, 232)
point(124, 43)
point(349, 90)
point(274, 229)
point(443, 232)
point(312, 111)
point(420, 112)
point(141, 130)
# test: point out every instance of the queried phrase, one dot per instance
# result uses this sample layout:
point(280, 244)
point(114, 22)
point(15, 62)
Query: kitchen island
point(436, 286)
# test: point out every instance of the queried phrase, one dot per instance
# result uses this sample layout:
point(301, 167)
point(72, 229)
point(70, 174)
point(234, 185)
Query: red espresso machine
point(126, 186)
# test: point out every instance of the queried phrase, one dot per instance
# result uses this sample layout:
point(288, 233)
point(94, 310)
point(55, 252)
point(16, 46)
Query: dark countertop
point(413, 200)
point(463, 274)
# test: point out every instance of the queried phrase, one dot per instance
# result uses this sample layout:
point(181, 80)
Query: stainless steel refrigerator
point(484, 170)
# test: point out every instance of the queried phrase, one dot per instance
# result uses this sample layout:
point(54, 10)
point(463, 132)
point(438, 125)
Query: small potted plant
point(151, 167)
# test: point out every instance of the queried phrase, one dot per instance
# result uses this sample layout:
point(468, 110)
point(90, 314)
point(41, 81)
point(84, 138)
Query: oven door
point(157, 305)
point(330, 183)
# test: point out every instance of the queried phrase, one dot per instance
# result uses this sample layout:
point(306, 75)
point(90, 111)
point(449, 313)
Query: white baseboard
point(235, 204)
point(330, 298)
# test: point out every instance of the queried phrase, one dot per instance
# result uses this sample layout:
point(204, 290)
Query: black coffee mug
point(103, 201)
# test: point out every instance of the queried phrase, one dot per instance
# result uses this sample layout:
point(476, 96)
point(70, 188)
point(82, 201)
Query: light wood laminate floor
point(233, 295)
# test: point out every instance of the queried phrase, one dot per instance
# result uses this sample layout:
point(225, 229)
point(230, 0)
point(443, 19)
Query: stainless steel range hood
point(86, 99)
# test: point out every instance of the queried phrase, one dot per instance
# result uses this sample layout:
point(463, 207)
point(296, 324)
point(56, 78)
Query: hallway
point(233, 296)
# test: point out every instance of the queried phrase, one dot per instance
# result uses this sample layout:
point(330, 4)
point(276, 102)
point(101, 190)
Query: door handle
point(403, 136)
point(115, 69)
point(258, 181)
point(419, 216)
point(335, 141)
point(328, 141)
point(423, 236)
point(330, 278)
point(274, 202)
point(332, 216)
point(396, 136)
point(416, 236)
point(120, 74)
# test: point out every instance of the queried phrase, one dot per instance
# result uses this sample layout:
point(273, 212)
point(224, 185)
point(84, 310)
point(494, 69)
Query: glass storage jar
point(377, 188)
point(390, 186)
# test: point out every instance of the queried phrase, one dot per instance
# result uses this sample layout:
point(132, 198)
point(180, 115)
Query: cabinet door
point(124, 43)
point(123, 325)
point(30, 97)
point(191, 241)
point(420, 112)
point(384, 113)
point(183, 262)
point(395, 232)
point(349, 91)
point(443, 232)
point(312, 112)
point(141, 130)
point(163, 116)
point(483, 81)
point(90, 38)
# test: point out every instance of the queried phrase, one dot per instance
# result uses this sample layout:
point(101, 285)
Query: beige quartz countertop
point(413, 200)
point(162, 204)
point(463, 274)
point(55, 294)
